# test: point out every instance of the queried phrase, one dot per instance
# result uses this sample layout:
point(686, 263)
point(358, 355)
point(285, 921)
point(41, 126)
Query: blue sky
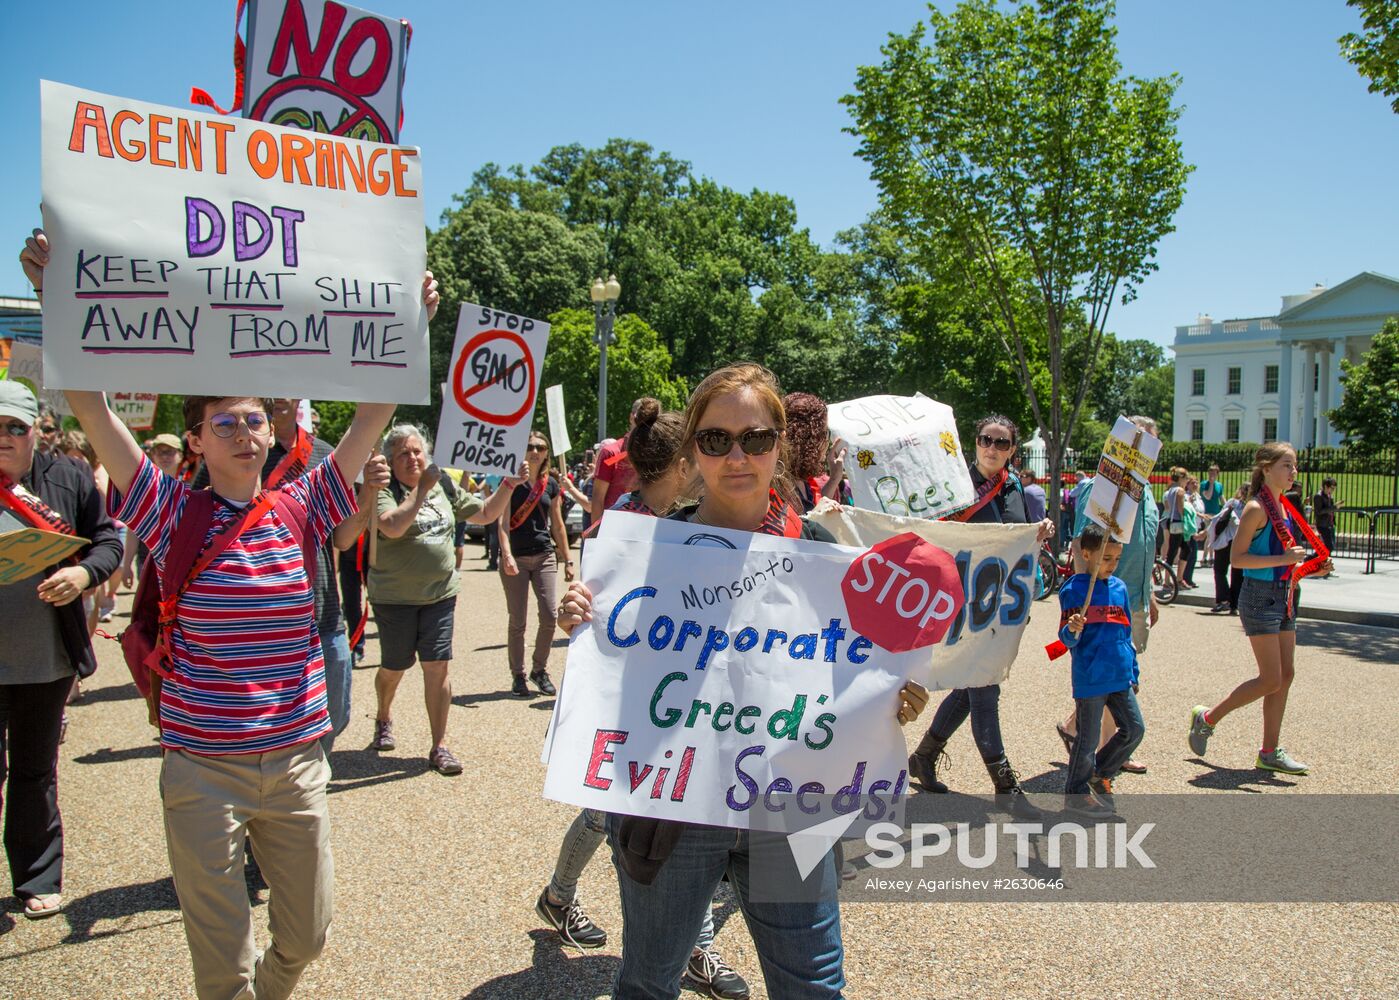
point(1295, 178)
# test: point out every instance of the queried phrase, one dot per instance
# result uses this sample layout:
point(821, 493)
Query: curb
point(1374, 619)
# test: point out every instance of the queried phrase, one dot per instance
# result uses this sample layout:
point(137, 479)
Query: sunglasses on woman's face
point(1000, 444)
point(535, 447)
point(225, 425)
point(16, 430)
point(717, 443)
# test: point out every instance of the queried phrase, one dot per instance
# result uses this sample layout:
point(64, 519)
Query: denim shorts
point(1263, 607)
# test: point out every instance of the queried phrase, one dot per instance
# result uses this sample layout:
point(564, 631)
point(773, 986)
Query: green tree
point(1369, 412)
point(1014, 139)
point(1153, 394)
point(1374, 51)
point(637, 365)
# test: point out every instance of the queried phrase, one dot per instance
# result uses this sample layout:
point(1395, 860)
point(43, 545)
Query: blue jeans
point(983, 704)
point(335, 649)
point(798, 943)
point(1107, 762)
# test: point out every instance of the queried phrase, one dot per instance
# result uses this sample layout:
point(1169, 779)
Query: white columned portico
point(1308, 432)
point(1323, 425)
point(1285, 392)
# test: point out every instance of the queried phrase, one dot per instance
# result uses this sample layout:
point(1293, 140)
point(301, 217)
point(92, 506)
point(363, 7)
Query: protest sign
point(492, 386)
point(1123, 475)
point(198, 254)
point(903, 456)
point(27, 365)
point(996, 564)
point(27, 551)
point(136, 409)
point(711, 688)
point(326, 67)
point(558, 426)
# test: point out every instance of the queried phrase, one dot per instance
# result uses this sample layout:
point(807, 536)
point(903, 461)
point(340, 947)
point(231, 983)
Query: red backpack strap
point(293, 515)
point(188, 540)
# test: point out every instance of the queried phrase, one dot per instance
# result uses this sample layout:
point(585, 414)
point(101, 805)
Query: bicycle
point(1163, 582)
point(1053, 571)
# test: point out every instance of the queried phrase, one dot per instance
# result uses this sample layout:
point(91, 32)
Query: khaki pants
point(278, 801)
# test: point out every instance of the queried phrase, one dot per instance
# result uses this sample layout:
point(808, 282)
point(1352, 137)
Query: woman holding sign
point(667, 871)
point(1268, 548)
point(532, 540)
point(999, 500)
point(46, 641)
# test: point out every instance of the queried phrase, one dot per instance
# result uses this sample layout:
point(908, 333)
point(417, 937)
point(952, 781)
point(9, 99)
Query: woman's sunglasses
point(16, 430)
point(225, 425)
point(536, 447)
point(717, 443)
point(1000, 444)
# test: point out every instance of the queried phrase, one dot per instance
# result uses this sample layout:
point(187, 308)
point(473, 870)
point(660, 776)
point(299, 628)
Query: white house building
point(1273, 378)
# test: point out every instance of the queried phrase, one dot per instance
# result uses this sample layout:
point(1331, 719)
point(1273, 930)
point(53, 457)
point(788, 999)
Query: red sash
point(527, 508)
point(1296, 571)
point(294, 463)
point(1097, 614)
point(985, 493)
point(31, 509)
point(781, 518)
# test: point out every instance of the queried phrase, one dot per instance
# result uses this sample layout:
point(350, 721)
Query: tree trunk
point(1054, 452)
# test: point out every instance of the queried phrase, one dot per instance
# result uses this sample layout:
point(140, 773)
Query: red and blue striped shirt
point(248, 676)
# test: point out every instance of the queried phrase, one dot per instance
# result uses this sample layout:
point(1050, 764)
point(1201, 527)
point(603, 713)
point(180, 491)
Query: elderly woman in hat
point(39, 660)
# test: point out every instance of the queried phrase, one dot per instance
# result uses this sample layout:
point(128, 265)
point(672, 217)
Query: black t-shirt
point(532, 536)
point(1007, 508)
point(1324, 510)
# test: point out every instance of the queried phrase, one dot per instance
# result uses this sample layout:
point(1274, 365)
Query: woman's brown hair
point(1264, 457)
point(736, 378)
point(806, 433)
point(655, 440)
point(548, 451)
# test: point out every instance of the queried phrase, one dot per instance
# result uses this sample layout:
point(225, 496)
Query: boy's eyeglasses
point(225, 425)
point(16, 430)
point(1000, 444)
point(717, 443)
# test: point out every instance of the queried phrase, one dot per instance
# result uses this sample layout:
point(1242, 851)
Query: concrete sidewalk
point(1349, 595)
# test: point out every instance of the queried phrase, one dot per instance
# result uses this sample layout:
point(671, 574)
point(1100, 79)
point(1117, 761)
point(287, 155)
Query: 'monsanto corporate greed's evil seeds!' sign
point(492, 386)
point(741, 686)
point(903, 456)
point(195, 253)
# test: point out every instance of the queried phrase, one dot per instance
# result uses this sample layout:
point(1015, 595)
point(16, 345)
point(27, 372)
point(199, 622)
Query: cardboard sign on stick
point(27, 551)
point(195, 253)
point(492, 386)
point(903, 456)
point(136, 409)
point(27, 365)
point(1123, 475)
point(326, 67)
point(558, 426)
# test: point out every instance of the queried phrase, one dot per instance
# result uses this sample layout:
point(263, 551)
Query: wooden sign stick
point(1097, 563)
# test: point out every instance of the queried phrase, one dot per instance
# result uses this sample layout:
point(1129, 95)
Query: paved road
point(436, 878)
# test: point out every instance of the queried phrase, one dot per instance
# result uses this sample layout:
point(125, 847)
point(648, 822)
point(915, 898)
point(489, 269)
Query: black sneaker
point(714, 977)
point(520, 689)
point(575, 929)
point(542, 681)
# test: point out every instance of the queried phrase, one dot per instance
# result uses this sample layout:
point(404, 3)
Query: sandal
point(1132, 767)
point(42, 912)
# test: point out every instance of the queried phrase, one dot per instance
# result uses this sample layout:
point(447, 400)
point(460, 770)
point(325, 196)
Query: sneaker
point(576, 929)
point(383, 735)
point(713, 975)
point(443, 761)
point(1200, 731)
point(1102, 791)
point(106, 614)
point(520, 689)
point(1089, 807)
point(1280, 760)
point(542, 681)
point(359, 657)
point(1221, 606)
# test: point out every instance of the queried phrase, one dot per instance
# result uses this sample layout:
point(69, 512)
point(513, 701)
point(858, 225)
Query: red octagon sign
point(904, 593)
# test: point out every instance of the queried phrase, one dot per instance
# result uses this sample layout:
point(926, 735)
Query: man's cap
point(17, 401)
point(168, 440)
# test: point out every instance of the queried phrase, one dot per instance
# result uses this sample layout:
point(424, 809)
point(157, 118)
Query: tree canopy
point(1374, 50)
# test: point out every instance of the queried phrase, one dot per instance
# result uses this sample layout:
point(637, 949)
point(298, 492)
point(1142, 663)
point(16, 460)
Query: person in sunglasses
point(46, 642)
point(667, 871)
point(532, 543)
point(1000, 499)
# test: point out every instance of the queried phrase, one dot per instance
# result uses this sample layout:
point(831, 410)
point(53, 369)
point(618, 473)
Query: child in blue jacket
point(1098, 634)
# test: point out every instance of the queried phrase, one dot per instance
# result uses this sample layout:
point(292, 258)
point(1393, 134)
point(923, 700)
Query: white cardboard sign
point(136, 409)
point(27, 364)
point(1124, 472)
point(558, 425)
point(661, 717)
point(492, 387)
point(903, 456)
point(197, 253)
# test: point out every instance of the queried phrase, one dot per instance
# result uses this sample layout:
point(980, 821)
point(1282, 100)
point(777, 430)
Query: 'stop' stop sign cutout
point(903, 593)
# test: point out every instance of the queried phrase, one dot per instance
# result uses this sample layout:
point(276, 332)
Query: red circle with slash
point(463, 394)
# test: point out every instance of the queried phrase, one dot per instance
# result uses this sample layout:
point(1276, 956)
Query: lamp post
point(604, 295)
